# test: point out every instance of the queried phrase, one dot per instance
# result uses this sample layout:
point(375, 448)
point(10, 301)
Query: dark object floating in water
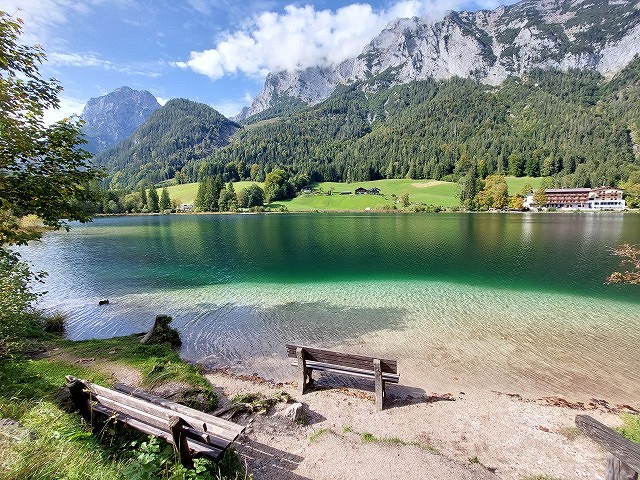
point(103, 302)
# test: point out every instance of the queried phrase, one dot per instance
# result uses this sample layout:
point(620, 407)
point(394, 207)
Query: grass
point(186, 193)
point(631, 427)
point(368, 437)
point(54, 442)
point(315, 436)
point(422, 192)
point(157, 363)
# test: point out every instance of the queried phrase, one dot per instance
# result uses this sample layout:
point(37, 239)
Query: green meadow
point(421, 192)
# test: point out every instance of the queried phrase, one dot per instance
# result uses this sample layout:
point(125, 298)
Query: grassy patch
point(368, 437)
point(631, 427)
point(157, 363)
point(53, 443)
point(424, 192)
point(315, 436)
point(473, 460)
point(186, 193)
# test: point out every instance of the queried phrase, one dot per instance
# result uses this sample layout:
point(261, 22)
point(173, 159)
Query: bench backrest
point(343, 359)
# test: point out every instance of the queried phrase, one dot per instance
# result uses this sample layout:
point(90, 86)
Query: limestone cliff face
point(115, 116)
point(600, 35)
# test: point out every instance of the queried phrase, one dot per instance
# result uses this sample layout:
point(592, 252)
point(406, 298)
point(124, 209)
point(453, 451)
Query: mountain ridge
point(488, 46)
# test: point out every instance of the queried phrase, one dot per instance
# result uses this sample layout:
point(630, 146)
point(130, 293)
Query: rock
point(189, 395)
point(293, 412)
point(15, 430)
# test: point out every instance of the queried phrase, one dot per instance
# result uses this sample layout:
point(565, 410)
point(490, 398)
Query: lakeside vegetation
point(48, 439)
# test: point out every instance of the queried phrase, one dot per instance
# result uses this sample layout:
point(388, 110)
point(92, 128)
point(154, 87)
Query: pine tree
point(143, 198)
point(153, 200)
point(165, 201)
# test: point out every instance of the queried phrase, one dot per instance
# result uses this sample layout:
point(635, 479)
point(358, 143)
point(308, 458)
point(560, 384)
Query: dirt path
point(470, 436)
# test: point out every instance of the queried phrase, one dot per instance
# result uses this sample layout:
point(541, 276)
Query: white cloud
point(301, 37)
point(68, 107)
point(230, 108)
point(162, 100)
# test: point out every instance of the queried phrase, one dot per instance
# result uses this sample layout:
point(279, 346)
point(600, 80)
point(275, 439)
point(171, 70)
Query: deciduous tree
point(630, 255)
point(43, 170)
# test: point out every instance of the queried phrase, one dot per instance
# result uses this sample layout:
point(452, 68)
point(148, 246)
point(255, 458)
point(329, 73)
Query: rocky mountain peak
point(114, 117)
point(489, 46)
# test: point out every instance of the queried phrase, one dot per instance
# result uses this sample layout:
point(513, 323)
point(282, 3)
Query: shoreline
point(635, 211)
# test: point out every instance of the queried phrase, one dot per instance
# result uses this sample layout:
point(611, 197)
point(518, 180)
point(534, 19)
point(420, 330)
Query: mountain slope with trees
point(179, 133)
point(574, 126)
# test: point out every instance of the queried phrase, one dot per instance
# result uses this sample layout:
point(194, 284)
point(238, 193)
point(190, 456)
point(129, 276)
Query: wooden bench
point(623, 457)
point(190, 431)
point(378, 369)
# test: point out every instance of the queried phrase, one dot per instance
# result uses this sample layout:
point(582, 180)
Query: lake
point(508, 302)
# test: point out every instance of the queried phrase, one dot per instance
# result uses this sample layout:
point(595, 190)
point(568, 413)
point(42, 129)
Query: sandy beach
point(419, 435)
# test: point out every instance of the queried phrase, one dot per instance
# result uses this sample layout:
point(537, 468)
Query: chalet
point(365, 191)
point(306, 190)
point(185, 207)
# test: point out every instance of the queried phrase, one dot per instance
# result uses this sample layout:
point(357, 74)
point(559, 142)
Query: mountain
point(175, 135)
point(487, 46)
point(115, 116)
point(576, 127)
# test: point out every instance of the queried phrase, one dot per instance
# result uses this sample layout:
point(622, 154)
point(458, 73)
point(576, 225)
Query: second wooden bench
point(380, 370)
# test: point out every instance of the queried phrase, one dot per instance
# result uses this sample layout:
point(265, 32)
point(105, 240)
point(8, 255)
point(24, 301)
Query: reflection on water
point(504, 302)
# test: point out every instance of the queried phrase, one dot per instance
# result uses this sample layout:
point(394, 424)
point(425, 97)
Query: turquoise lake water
point(487, 301)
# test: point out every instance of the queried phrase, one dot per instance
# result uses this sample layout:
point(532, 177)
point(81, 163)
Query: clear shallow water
point(504, 302)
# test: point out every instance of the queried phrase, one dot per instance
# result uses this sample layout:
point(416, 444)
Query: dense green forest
point(180, 133)
point(575, 127)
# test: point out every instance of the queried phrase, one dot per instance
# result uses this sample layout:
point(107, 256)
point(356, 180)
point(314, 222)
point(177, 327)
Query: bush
point(54, 323)
point(18, 319)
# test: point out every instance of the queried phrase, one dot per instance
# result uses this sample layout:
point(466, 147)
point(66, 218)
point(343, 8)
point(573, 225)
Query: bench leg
point(303, 372)
point(380, 385)
point(180, 441)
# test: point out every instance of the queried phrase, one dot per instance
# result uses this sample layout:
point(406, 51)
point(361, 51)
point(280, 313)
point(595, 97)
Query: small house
point(374, 191)
point(361, 191)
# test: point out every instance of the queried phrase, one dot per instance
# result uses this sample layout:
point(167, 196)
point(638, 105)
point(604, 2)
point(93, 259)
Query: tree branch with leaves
point(43, 169)
point(630, 255)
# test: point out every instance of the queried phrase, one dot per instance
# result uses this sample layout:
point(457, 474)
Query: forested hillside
point(175, 135)
point(574, 126)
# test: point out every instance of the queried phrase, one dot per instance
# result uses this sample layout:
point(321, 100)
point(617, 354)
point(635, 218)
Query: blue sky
point(213, 51)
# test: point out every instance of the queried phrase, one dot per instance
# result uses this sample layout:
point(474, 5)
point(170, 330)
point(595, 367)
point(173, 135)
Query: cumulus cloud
point(68, 107)
point(300, 37)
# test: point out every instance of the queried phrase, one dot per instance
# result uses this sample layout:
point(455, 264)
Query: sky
point(216, 52)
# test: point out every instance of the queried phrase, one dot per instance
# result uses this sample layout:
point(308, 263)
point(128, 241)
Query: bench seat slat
point(164, 413)
point(352, 360)
point(159, 423)
point(387, 377)
point(181, 409)
point(198, 447)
